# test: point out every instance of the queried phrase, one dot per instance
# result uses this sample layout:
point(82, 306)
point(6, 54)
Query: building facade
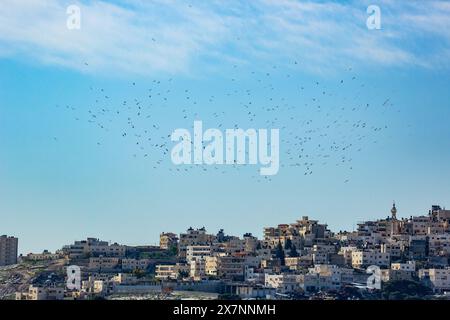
point(8, 250)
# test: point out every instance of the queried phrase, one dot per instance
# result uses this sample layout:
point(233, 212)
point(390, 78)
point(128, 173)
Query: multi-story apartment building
point(89, 285)
point(298, 263)
point(171, 271)
point(41, 293)
point(168, 240)
point(264, 253)
point(365, 258)
point(196, 252)
point(271, 264)
point(418, 247)
point(234, 245)
point(252, 291)
point(165, 271)
point(250, 260)
point(230, 267)
point(312, 282)
point(252, 275)
point(134, 264)
point(94, 247)
point(250, 243)
point(319, 257)
point(437, 213)
point(420, 225)
point(408, 266)
point(399, 271)
point(439, 244)
point(439, 226)
point(321, 253)
point(346, 252)
point(197, 269)
point(438, 278)
point(396, 275)
point(331, 275)
point(304, 232)
point(193, 237)
point(124, 278)
point(283, 283)
point(113, 250)
point(211, 264)
point(394, 249)
point(312, 228)
point(8, 250)
point(104, 264)
point(45, 255)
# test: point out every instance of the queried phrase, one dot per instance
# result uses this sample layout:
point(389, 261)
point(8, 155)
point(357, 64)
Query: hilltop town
point(389, 258)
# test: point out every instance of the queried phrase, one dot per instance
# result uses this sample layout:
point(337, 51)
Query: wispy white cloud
point(137, 39)
point(136, 36)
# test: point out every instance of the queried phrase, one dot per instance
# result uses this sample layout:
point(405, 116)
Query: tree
point(139, 273)
point(183, 274)
point(288, 244)
point(279, 253)
point(173, 250)
point(404, 289)
point(293, 252)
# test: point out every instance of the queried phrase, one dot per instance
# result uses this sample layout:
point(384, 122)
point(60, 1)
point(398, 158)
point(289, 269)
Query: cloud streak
point(148, 37)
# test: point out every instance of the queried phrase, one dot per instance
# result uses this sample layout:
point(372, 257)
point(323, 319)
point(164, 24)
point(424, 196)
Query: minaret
point(394, 211)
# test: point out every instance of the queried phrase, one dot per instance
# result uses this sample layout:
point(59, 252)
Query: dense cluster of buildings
point(303, 257)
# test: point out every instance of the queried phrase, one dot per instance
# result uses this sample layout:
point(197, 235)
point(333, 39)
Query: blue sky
point(363, 110)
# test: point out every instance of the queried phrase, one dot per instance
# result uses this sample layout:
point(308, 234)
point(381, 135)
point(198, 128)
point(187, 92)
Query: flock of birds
point(320, 124)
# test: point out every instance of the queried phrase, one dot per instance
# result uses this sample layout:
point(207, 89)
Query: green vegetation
point(288, 244)
point(405, 290)
point(167, 254)
point(182, 274)
point(173, 251)
point(293, 252)
point(228, 296)
point(279, 253)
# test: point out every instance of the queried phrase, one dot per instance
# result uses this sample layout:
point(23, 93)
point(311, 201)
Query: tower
point(394, 211)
